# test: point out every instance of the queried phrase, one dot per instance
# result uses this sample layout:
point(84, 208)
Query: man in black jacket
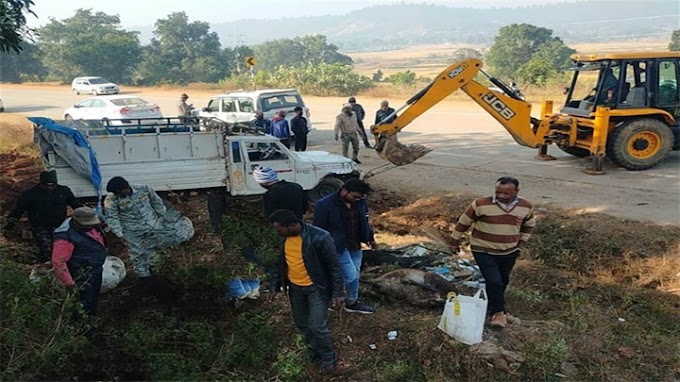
point(384, 111)
point(309, 271)
point(46, 206)
point(361, 113)
point(299, 127)
point(280, 195)
point(344, 214)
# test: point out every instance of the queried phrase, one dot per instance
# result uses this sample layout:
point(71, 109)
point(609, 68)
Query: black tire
point(576, 151)
point(327, 186)
point(76, 91)
point(68, 117)
point(639, 144)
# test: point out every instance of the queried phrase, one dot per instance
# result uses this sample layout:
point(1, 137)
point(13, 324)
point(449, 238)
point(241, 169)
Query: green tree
point(674, 45)
point(551, 59)
point(181, 52)
point(318, 51)
point(529, 54)
point(536, 72)
point(280, 52)
point(23, 66)
point(322, 80)
point(300, 51)
point(13, 29)
point(402, 78)
point(89, 44)
point(514, 46)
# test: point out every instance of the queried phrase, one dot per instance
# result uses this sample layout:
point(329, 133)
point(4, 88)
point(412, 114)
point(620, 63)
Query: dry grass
point(16, 134)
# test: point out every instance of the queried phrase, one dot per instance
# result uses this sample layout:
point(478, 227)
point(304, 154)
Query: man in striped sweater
point(503, 224)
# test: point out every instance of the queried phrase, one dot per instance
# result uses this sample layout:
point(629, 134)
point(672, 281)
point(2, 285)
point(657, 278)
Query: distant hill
point(393, 26)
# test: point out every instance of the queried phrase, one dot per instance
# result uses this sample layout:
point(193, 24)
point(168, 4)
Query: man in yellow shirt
point(309, 271)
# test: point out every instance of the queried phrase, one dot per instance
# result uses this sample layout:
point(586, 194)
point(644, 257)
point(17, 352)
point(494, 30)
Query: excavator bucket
point(390, 149)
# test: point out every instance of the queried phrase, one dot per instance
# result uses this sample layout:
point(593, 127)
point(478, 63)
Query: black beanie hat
point(116, 184)
point(48, 177)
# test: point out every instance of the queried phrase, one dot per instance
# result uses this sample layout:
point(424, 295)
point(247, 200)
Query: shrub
point(38, 333)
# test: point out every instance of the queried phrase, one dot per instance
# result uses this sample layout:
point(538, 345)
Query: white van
point(241, 106)
point(94, 86)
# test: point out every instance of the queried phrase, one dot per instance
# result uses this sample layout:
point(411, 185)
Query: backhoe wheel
point(639, 144)
point(327, 186)
point(576, 151)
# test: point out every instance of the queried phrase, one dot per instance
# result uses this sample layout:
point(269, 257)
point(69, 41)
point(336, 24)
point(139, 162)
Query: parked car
point(2, 106)
point(94, 86)
point(117, 107)
point(241, 106)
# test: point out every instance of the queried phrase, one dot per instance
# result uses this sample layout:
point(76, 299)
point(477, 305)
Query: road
point(471, 150)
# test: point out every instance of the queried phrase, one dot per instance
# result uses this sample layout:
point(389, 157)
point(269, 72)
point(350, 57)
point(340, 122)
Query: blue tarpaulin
point(89, 170)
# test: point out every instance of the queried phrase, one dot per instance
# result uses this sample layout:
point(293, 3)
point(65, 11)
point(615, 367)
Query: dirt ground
point(584, 274)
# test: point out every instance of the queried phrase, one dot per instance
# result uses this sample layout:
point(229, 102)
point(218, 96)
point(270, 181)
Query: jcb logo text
point(499, 106)
point(457, 70)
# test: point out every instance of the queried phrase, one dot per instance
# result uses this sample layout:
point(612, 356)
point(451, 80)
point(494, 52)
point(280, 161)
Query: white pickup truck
point(177, 156)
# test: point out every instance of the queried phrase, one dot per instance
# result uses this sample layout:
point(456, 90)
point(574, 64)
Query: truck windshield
point(279, 101)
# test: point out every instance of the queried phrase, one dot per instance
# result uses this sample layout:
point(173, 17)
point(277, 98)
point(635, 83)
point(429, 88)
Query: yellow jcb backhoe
point(624, 106)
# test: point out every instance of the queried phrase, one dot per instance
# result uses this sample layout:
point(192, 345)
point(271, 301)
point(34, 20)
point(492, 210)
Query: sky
point(140, 13)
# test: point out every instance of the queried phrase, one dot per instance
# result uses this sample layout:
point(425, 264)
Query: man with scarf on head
point(280, 195)
point(78, 256)
point(280, 128)
point(46, 205)
point(137, 215)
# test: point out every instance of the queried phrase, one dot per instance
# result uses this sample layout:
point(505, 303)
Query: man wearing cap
point(280, 128)
point(299, 127)
point(347, 129)
point(184, 109)
point(46, 205)
point(280, 195)
point(360, 113)
point(78, 256)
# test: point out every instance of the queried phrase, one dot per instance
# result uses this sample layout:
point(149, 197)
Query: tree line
point(184, 51)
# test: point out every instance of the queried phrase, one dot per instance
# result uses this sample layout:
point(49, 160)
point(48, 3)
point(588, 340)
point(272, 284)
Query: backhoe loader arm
point(508, 109)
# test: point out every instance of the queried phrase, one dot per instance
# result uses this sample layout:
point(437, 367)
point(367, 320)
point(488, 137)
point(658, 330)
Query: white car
point(127, 109)
point(241, 106)
point(94, 86)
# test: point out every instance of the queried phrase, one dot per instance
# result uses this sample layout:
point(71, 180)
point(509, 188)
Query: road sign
point(251, 61)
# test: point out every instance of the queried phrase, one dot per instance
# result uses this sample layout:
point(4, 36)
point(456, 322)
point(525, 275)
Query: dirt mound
point(18, 173)
point(440, 212)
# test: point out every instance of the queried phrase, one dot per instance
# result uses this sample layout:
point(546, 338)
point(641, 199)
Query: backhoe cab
point(623, 106)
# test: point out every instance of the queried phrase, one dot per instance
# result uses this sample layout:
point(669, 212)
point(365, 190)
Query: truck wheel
point(639, 144)
point(76, 91)
point(327, 186)
point(68, 117)
point(575, 151)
